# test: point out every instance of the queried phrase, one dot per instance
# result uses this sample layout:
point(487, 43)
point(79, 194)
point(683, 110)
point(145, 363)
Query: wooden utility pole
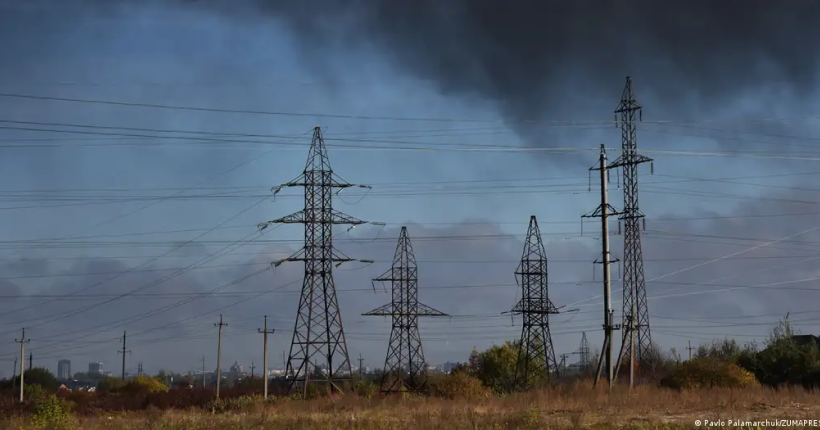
point(30, 359)
point(265, 333)
point(219, 356)
point(123, 351)
point(22, 342)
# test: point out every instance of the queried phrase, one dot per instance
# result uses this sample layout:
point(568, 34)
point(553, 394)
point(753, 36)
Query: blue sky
point(195, 57)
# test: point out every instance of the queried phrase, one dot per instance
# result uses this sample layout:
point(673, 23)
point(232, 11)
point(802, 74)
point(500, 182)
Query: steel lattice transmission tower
point(536, 355)
point(404, 354)
point(583, 352)
point(318, 336)
point(636, 335)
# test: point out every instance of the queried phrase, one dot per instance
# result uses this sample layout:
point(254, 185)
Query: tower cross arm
point(598, 212)
point(381, 311)
point(629, 160)
point(534, 306)
point(423, 310)
point(420, 310)
point(302, 217)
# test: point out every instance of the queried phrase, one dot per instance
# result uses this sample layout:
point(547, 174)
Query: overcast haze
point(466, 120)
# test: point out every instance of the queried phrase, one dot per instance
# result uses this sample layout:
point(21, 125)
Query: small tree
point(35, 376)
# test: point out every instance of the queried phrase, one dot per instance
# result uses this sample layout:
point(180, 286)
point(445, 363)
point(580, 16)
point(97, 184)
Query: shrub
point(53, 412)
point(458, 386)
point(144, 385)
point(110, 385)
point(234, 404)
point(365, 388)
point(708, 373)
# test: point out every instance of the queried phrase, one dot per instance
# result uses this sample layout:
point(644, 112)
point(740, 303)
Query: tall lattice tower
point(318, 336)
point(583, 352)
point(536, 355)
point(405, 355)
point(635, 310)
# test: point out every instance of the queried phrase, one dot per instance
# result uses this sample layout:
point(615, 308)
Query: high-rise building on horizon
point(64, 369)
point(95, 368)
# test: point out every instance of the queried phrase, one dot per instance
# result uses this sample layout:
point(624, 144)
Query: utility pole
point(404, 348)
point(30, 359)
point(536, 355)
point(123, 351)
point(635, 307)
point(139, 369)
point(318, 334)
point(22, 342)
point(361, 364)
point(690, 349)
point(603, 211)
point(14, 375)
point(265, 332)
point(203, 372)
point(563, 364)
point(219, 356)
point(253, 366)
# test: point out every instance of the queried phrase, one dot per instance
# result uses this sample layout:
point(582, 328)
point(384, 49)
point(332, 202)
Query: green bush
point(53, 413)
point(708, 372)
point(144, 385)
point(365, 388)
point(110, 385)
point(458, 386)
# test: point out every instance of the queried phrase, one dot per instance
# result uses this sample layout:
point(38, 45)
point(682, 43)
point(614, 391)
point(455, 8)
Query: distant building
point(64, 369)
point(95, 368)
point(449, 366)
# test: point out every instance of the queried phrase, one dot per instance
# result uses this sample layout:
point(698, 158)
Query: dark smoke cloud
point(522, 53)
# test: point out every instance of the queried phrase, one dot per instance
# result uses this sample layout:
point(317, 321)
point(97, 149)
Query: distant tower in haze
point(64, 369)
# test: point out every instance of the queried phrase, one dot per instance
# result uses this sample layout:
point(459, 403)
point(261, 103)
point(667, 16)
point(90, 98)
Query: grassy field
point(562, 407)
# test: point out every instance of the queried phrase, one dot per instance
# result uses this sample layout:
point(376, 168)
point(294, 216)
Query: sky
point(141, 215)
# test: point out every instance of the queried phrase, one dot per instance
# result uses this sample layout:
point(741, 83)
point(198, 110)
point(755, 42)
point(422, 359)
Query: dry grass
point(572, 406)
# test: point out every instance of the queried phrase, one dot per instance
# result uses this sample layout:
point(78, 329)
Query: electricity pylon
point(318, 335)
point(583, 352)
point(536, 355)
point(637, 339)
point(404, 354)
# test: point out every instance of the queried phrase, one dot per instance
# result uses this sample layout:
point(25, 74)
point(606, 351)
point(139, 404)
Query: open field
point(576, 406)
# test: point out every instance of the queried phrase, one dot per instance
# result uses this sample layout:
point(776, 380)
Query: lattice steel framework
point(318, 335)
point(583, 352)
point(405, 355)
point(635, 310)
point(536, 355)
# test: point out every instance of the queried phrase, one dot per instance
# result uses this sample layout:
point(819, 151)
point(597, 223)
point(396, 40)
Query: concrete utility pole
point(123, 351)
point(265, 332)
point(203, 372)
point(253, 366)
point(14, 375)
point(603, 211)
point(361, 364)
point(22, 342)
point(690, 349)
point(30, 359)
point(219, 356)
